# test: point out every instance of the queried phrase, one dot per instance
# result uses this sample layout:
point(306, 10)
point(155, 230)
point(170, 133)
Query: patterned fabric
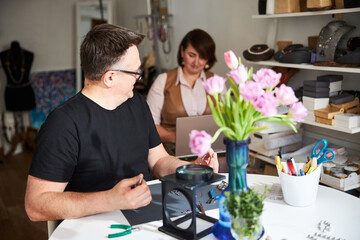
point(51, 89)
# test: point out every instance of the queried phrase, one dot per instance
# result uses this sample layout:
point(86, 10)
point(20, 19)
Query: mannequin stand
point(18, 136)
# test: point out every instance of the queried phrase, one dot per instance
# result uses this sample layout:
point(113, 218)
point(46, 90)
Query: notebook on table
point(184, 125)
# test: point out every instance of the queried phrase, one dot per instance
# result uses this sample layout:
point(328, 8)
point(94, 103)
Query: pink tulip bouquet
point(251, 98)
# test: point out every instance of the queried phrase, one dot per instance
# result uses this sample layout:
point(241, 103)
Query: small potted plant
point(245, 209)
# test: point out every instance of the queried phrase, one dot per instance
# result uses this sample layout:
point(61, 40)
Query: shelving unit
point(271, 38)
point(340, 129)
point(307, 66)
point(305, 14)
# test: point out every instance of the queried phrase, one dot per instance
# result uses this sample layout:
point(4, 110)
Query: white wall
point(228, 22)
point(43, 27)
point(46, 28)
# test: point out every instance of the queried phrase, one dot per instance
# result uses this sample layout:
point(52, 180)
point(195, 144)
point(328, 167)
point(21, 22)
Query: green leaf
point(234, 87)
point(237, 125)
point(214, 112)
point(223, 129)
point(245, 204)
point(250, 73)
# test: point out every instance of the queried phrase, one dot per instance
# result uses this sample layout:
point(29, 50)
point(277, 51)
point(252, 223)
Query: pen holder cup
point(300, 191)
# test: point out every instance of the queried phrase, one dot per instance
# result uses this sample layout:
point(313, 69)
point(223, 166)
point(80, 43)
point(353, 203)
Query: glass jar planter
point(246, 228)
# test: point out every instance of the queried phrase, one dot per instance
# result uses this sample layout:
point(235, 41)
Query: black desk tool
point(181, 223)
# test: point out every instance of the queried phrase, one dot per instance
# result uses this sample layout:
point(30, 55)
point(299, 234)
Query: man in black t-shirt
point(95, 147)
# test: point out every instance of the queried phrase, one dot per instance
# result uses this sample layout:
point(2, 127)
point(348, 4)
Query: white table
point(280, 220)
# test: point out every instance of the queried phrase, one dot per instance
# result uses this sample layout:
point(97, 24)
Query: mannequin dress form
point(19, 96)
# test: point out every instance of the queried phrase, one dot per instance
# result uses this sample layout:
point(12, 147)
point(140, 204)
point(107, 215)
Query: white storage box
point(347, 120)
point(312, 104)
point(351, 182)
point(270, 144)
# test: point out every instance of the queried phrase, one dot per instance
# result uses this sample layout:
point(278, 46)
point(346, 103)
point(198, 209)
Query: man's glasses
point(138, 74)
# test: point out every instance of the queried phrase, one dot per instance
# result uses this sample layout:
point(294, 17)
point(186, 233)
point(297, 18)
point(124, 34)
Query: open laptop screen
point(184, 125)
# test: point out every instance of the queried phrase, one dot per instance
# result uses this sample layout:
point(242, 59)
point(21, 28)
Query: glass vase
point(246, 228)
point(237, 154)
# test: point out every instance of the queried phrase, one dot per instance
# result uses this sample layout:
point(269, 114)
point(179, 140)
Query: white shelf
point(313, 13)
point(340, 129)
point(307, 66)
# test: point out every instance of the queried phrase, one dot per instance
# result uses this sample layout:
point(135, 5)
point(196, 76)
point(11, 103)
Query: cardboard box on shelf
point(270, 170)
point(283, 44)
point(351, 182)
point(319, 4)
point(312, 41)
point(355, 110)
point(325, 121)
point(287, 6)
point(347, 105)
point(328, 112)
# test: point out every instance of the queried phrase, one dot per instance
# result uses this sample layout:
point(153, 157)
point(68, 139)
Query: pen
point(307, 166)
point(314, 162)
point(291, 167)
point(139, 181)
point(278, 163)
point(283, 168)
point(294, 165)
point(202, 159)
point(311, 169)
point(302, 172)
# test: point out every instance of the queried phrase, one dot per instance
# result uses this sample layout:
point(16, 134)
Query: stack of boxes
point(312, 104)
point(350, 118)
point(316, 89)
point(316, 94)
point(335, 83)
point(347, 120)
point(276, 138)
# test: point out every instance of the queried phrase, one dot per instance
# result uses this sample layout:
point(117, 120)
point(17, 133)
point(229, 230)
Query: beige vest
point(173, 105)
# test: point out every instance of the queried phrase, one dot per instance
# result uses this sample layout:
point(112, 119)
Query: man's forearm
point(167, 165)
point(66, 205)
point(46, 200)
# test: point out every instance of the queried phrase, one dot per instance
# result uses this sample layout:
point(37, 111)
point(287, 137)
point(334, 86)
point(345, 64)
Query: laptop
point(184, 125)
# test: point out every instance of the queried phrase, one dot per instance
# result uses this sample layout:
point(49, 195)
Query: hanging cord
point(163, 34)
point(101, 10)
point(168, 50)
point(150, 30)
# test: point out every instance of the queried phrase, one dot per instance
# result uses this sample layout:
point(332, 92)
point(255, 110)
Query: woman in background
point(180, 92)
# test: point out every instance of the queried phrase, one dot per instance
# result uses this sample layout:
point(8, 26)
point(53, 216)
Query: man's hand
point(210, 159)
point(130, 193)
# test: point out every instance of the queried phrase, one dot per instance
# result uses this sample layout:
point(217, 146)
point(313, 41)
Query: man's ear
point(108, 78)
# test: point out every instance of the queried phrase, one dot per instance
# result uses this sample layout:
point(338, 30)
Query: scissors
point(127, 230)
point(321, 155)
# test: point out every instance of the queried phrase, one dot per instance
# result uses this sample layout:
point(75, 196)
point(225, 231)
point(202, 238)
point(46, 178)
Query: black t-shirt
point(92, 148)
